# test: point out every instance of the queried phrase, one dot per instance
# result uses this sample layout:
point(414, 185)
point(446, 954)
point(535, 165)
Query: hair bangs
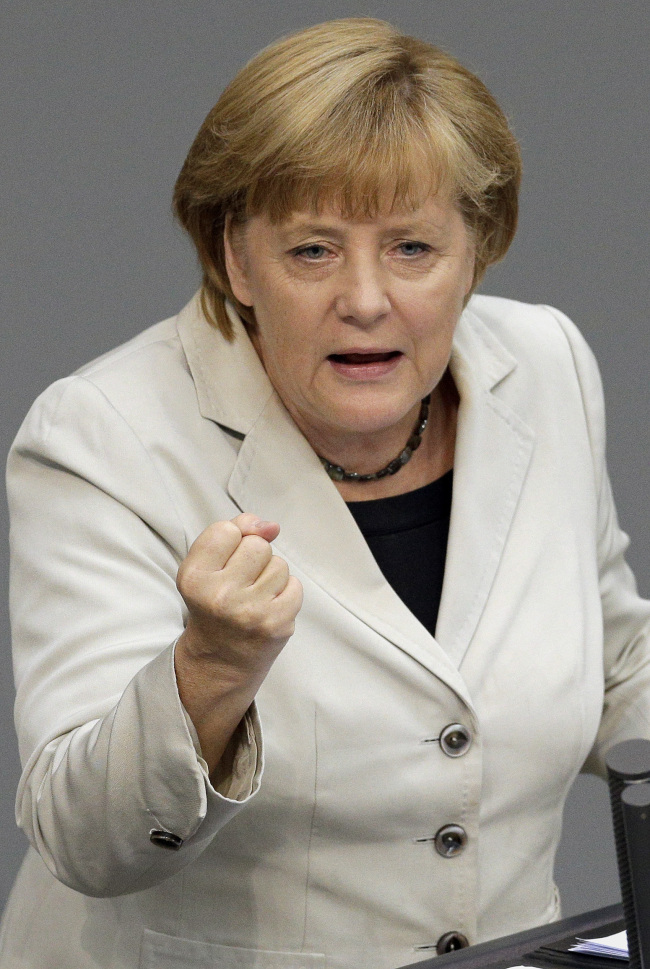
point(378, 165)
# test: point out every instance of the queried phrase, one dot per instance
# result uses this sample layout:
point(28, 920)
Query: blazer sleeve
point(106, 746)
point(626, 616)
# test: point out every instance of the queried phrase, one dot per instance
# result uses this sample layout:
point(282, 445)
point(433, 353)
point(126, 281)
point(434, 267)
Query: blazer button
point(455, 740)
point(450, 840)
point(450, 942)
point(165, 839)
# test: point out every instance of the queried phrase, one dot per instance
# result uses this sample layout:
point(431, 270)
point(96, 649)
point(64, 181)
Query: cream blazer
point(319, 851)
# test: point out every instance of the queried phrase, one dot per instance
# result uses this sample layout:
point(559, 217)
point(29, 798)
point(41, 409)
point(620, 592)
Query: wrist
point(216, 698)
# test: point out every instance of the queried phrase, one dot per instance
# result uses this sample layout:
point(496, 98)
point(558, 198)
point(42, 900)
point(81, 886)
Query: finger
point(273, 579)
point(278, 617)
point(248, 561)
point(290, 600)
point(214, 546)
point(250, 524)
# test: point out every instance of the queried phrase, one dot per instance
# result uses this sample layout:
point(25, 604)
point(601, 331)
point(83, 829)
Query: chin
point(367, 421)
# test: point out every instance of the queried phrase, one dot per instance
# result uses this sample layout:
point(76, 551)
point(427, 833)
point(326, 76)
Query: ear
point(234, 245)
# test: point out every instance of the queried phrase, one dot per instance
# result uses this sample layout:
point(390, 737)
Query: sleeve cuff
point(239, 783)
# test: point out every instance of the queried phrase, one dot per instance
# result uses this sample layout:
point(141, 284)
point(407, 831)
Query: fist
point(241, 599)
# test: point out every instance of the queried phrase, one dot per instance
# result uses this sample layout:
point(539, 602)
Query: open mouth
point(365, 366)
point(357, 358)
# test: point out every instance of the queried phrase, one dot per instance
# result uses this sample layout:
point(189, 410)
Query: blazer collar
point(278, 476)
point(231, 384)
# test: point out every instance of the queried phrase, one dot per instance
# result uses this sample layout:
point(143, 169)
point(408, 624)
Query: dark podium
point(510, 951)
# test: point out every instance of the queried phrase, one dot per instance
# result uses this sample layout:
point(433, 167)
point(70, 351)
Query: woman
point(416, 737)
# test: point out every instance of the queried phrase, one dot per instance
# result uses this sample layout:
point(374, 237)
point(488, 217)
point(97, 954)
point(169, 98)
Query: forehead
point(437, 212)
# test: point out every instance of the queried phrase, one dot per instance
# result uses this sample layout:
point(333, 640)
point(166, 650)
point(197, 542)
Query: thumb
point(250, 524)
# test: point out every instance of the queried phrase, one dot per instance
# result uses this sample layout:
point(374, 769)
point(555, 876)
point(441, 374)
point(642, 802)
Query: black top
point(408, 534)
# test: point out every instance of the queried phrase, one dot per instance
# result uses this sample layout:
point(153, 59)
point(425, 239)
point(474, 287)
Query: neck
point(430, 461)
point(338, 473)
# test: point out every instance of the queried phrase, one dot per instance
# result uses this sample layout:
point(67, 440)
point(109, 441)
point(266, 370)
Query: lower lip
point(365, 371)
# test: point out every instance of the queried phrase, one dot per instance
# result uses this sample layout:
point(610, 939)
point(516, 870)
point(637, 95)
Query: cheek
point(432, 330)
point(283, 342)
point(434, 314)
point(290, 322)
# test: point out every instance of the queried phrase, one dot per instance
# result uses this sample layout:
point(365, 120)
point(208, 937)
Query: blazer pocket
point(160, 951)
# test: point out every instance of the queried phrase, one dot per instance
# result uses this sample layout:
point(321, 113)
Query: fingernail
point(259, 524)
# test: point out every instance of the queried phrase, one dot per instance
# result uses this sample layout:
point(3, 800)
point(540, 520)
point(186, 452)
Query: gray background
point(100, 103)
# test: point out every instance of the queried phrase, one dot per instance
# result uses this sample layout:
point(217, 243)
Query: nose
point(362, 299)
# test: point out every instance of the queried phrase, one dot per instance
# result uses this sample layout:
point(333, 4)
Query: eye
point(312, 252)
point(410, 248)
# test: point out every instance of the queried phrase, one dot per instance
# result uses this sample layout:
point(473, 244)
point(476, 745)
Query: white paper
point(610, 946)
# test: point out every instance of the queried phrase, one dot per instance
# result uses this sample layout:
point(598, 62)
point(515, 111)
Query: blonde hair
point(353, 112)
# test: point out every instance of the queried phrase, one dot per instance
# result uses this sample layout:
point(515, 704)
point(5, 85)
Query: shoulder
point(551, 356)
point(127, 385)
point(526, 328)
point(139, 372)
point(537, 337)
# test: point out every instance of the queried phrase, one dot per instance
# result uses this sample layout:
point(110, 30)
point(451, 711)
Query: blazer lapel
point(232, 387)
point(493, 451)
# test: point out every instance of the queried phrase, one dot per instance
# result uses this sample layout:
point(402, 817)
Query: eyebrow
point(312, 228)
point(324, 228)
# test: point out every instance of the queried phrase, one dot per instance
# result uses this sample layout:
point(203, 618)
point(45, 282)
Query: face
point(355, 318)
